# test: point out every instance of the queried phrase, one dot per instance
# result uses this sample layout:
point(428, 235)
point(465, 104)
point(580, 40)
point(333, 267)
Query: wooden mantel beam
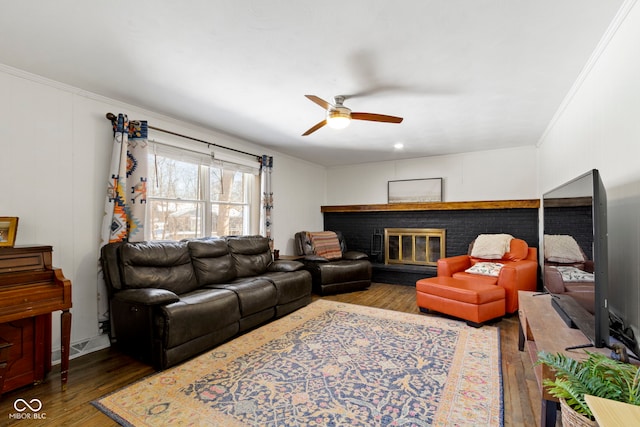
point(436, 206)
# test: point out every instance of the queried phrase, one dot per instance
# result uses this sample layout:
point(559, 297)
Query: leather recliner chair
point(347, 271)
point(519, 271)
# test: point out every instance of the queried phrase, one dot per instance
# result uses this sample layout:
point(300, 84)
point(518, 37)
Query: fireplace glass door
point(418, 246)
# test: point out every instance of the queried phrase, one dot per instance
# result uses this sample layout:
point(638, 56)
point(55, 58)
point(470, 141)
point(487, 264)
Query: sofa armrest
point(517, 276)
point(285, 266)
point(354, 255)
point(553, 280)
point(455, 264)
point(314, 259)
point(589, 266)
point(146, 296)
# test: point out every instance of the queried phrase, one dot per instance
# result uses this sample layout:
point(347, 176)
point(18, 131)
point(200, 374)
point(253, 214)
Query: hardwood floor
point(105, 371)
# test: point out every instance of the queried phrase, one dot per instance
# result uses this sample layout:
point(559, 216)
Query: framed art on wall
point(8, 229)
point(415, 190)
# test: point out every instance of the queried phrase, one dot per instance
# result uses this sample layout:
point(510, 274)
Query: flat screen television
point(578, 209)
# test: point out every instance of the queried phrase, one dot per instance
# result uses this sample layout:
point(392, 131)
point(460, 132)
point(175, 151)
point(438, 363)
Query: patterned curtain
point(124, 213)
point(266, 167)
point(127, 182)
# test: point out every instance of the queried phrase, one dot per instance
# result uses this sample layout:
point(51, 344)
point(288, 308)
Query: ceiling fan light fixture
point(337, 119)
point(339, 116)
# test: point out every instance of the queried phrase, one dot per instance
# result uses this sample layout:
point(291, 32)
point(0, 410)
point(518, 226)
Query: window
point(192, 195)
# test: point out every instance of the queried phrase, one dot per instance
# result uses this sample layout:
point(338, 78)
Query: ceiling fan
point(339, 116)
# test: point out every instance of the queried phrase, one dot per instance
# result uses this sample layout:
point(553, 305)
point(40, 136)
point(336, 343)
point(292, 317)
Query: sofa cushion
point(162, 265)
point(196, 314)
point(251, 254)
point(290, 286)
point(212, 261)
point(254, 294)
point(487, 280)
point(342, 271)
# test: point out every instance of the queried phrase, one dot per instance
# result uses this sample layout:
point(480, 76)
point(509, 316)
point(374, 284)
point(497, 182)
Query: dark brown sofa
point(170, 301)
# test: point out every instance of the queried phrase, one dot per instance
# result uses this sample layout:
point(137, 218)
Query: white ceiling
point(466, 75)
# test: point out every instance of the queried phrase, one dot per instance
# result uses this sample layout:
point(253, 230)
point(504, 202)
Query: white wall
point(599, 127)
point(55, 149)
point(477, 176)
point(299, 191)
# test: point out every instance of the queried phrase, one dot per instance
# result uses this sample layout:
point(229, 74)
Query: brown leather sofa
point(173, 300)
point(519, 271)
point(348, 271)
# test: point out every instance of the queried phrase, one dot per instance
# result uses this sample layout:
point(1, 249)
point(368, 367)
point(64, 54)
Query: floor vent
point(83, 347)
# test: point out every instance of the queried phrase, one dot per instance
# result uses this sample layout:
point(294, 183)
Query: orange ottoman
point(474, 302)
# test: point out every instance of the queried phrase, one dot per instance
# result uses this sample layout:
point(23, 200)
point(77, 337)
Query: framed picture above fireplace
point(415, 190)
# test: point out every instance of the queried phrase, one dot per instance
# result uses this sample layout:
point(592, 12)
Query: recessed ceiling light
point(398, 145)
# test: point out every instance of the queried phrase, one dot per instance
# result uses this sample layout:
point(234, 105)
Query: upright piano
point(30, 290)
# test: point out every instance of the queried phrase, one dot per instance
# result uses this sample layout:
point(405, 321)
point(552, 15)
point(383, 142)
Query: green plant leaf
point(597, 375)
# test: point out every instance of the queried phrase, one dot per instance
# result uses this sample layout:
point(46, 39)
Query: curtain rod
point(111, 117)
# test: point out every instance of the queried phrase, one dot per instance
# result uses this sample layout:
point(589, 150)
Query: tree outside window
point(189, 199)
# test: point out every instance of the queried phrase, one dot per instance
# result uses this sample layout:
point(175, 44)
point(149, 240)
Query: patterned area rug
point(329, 364)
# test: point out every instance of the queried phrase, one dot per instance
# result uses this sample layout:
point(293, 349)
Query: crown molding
point(16, 72)
point(618, 20)
point(201, 131)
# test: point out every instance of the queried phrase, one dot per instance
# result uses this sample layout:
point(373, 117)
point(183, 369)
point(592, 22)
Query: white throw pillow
point(491, 246)
point(486, 268)
point(562, 248)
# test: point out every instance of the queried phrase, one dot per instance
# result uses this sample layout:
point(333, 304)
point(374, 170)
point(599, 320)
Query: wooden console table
point(542, 329)
point(30, 290)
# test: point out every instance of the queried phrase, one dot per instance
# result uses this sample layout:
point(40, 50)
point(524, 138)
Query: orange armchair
point(519, 271)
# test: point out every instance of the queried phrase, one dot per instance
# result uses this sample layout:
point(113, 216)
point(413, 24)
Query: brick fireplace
point(363, 227)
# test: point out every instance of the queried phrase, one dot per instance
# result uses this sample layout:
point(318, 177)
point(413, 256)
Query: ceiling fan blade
point(315, 128)
point(376, 117)
point(321, 102)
